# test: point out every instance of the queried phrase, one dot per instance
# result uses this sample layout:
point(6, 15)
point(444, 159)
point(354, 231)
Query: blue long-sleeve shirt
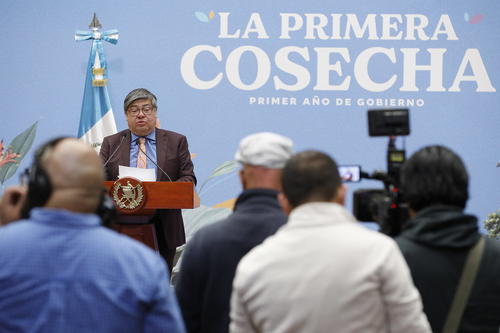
point(63, 272)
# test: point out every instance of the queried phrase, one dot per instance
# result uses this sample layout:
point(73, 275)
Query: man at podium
point(143, 145)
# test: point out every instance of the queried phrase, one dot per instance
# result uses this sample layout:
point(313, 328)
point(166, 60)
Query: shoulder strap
point(464, 287)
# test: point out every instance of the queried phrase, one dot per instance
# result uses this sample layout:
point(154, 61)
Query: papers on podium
point(144, 175)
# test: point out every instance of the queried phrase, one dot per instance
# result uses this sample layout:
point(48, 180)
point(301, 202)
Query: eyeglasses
point(147, 110)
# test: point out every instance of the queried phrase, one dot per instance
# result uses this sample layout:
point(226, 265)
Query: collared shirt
point(150, 149)
point(62, 272)
point(323, 272)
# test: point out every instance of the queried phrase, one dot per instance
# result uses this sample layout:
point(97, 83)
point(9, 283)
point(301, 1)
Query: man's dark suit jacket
point(209, 261)
point(172, 155)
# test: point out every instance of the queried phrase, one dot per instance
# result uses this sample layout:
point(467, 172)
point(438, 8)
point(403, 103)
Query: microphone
point(114, 151)
point(149, 158)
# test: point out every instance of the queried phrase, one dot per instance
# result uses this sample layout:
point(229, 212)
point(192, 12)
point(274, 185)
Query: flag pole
point(96, 117)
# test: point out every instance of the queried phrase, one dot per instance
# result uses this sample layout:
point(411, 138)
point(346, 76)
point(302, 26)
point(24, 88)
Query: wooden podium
point(135, 222)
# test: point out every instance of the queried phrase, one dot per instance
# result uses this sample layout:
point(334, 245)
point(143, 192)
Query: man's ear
point(340, 197)
point(284, 203)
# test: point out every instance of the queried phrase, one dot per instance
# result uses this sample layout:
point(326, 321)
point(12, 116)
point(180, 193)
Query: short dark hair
point(139, 93)
point(310, 176)
point(434, 175)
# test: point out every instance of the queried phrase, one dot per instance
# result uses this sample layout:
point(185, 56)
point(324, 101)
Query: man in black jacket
point(438, 238)
point(209, 262)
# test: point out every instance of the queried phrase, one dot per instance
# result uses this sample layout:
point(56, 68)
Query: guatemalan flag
point(96, 119)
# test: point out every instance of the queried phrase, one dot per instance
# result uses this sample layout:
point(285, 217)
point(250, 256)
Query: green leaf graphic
point(195, 219)
point(202, 17)
point(20, 145)
point(224, 168)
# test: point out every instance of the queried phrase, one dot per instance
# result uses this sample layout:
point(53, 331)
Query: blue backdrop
point(209, 63)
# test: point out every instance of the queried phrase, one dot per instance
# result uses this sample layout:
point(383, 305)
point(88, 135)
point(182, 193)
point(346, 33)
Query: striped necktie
point(141, 156)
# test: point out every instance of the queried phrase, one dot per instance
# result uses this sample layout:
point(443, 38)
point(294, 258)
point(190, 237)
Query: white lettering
point(312, 26)
point(388, 25)
point(188, 71)
point(223, 27)
point(373, 27)
point(361, 72)
point(444, 26)
point(410, 69)
point(353, 23)
point(286, 26)
point(255, 25)
point(473, 58)
point(324, 68)
point(412, 26)
point(387, 102)
point(301, 73)
point(233, 66)
point(329, 72)
point(336, 26)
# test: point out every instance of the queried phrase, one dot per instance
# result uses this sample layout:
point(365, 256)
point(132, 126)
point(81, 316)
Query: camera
point(385, 206)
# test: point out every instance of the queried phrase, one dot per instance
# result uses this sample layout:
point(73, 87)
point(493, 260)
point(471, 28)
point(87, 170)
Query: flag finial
point(95, 24)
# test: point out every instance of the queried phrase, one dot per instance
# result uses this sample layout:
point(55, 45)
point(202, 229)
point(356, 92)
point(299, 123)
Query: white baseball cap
point(265, 149)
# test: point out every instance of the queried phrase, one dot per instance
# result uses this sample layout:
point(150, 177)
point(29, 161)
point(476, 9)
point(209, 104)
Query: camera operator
point(438, 239)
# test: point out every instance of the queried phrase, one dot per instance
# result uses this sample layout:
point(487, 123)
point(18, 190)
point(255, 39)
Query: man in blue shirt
point(64, 272)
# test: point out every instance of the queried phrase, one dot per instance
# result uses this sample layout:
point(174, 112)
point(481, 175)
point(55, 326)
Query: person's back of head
point(66, 174)
point(434, 175)
point(311, 176)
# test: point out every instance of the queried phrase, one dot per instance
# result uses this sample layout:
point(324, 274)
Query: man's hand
point(11, 203)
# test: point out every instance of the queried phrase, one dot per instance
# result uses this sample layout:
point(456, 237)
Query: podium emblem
point(128, 194)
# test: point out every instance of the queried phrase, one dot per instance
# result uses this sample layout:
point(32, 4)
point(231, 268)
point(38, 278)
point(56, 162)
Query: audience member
point(439, 237)
point(322, 271)
point(61, 270)
point(211, 256)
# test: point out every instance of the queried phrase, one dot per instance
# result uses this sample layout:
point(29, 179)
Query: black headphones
point(39, 184)
point(40, 187)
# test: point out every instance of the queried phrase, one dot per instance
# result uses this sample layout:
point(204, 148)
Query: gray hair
point(139, 93)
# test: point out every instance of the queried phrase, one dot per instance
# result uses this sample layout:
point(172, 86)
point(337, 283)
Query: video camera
point(385, 206)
